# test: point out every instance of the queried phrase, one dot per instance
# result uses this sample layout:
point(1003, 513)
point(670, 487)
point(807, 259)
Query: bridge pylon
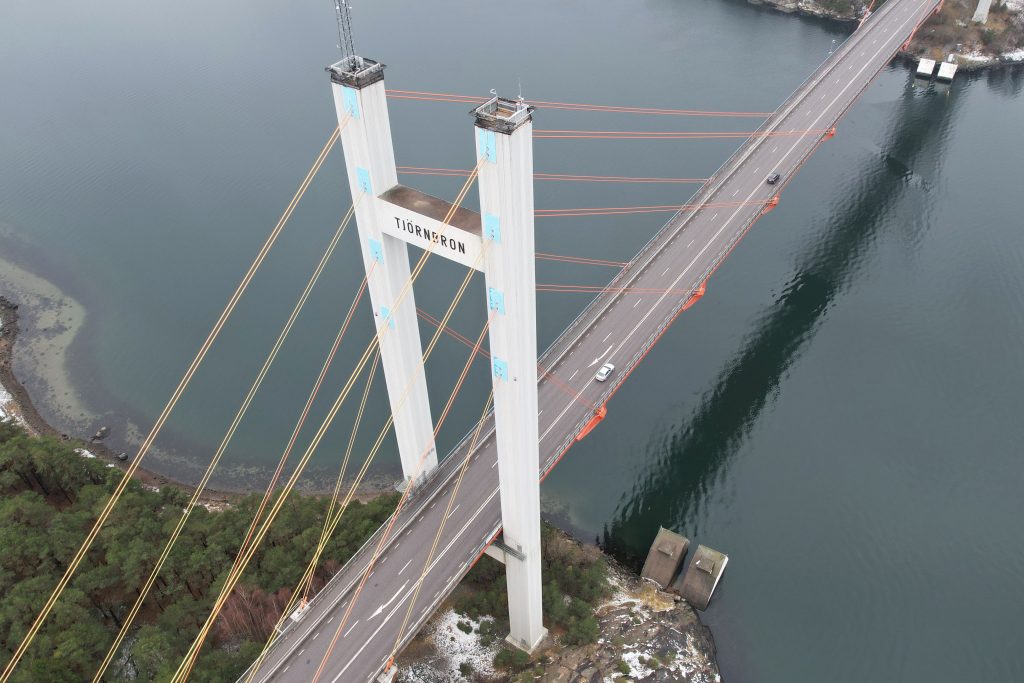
point(361, 103)
point(504, 144)
point(499, 241)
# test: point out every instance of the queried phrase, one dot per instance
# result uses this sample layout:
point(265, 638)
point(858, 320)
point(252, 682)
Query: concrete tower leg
point(504, 137)
point(359, 98)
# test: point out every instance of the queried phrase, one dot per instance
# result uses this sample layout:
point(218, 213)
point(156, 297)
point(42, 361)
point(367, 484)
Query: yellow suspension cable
point(307, 577)
point(440, 528)
point(228, 436)
point(380, 545)
point(324, 536)
point(189, 661)
point(165, 413)
point(301, 421)
point(302, 418)
point(381, 436)
point(333, 523)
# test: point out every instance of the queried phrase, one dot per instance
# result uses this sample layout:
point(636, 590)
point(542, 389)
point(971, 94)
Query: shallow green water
point(840, 413)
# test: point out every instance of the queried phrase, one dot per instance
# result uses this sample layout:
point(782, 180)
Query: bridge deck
point(614, 327)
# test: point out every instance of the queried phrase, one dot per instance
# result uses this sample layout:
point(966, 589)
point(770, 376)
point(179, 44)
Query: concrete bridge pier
point(361, 104)
point(504, 143)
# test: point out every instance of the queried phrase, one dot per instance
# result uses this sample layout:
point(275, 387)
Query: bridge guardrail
point(661, 236)
point(631, 269)
point(749, 223)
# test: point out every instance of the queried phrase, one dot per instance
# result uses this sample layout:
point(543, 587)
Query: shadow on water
point(687, 457)
point(1007, 81)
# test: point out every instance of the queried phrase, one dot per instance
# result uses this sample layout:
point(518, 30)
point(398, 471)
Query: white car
point(605, 372)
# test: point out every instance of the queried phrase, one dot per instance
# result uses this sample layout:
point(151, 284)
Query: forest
point(50, 497)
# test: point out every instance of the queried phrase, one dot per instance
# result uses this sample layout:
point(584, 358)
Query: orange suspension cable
point(593, 289)
point(613, 178)
point(543, 212)
point(462, 173)
point(619, 210)
point(541, 256)
point(622, 212)
point(867, 13)
point(666, 135)
point(449, 331)
point(543, 104)
point(558, 383)
point(675, 132)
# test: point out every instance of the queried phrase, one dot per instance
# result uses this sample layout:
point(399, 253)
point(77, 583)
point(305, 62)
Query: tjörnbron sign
point(425, 232)
point(428, 234)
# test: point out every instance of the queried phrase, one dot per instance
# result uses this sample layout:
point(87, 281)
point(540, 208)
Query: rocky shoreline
point(22, 409)
point(16, 401)
point(645, 635)
point(951, 33)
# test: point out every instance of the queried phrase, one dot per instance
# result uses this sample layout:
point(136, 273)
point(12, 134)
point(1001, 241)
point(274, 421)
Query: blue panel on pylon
point(385, 313)
point(351, 100)
point(485, 144)
point(495, 300)
point(492, 227)
point(376, 250)
point(500, 368)
point(363, 178)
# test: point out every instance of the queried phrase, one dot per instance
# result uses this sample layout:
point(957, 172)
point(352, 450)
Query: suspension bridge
point(482, 497)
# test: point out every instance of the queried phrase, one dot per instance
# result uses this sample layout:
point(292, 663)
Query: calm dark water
point(840, 413)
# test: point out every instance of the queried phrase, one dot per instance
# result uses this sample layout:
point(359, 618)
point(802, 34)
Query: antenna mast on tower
point(343, 12)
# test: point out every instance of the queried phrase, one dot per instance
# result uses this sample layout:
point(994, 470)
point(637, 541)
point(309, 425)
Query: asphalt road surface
point(617, 327)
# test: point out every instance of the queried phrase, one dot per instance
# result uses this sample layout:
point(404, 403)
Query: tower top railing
point(356, 72)
point(502, 115)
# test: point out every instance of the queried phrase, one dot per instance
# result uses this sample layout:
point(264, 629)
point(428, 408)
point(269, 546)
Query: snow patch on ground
point(7, 413)
point(455, 647)
point(975, 56)
point(1016, 55)
point(85, 453)
point(688, 663)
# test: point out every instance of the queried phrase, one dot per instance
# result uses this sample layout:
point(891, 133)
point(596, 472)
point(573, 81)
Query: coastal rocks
point(951, 32)
point(10, 390)
point(646, 635)
point(48, 322)
point(812, 8)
